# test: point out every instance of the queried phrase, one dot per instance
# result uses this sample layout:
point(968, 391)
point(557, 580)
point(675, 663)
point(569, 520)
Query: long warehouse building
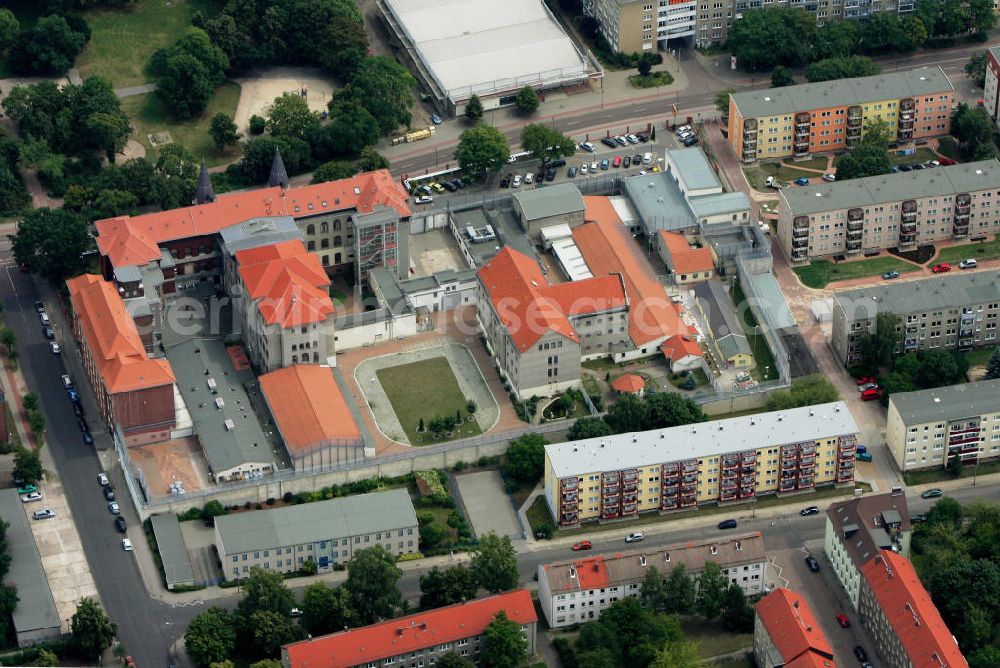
point(722, 461)
point(904, 210)
point(834, 115)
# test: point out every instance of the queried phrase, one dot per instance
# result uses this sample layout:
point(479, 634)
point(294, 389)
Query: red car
point(582, 545)
point(871, 394)
point(946, 161)
point(617, 162)
point(864, 380)
point(843, 621)
point(941, 268)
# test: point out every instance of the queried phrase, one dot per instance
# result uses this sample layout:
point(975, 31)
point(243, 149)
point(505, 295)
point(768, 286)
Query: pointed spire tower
point(204, 193)
point(278, 177)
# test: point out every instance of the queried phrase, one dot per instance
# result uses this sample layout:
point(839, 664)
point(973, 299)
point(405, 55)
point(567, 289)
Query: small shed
point(629, 383)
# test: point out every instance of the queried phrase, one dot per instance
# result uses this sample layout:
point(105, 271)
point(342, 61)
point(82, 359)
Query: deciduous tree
point(262, 590)
point(210, 637)
point(326, 609)
point(93, 631)
point(527, 100)
point(781, 76)
point(223, 131)
point(495, 563)
point(737, 615)
point(371, 582)
point(187, 73)
point(653, 592)
point(28, 465)
point(712, 585)
point(370, 160)
point(841, 67)
point(525, 458)
point(837, 38)
point(50, 241)
point(333, 171)
point(772, 36)
point(384, 88)
point(680, 591)
point(482, 150)
point(588, 427)
point(993, 366)
point(445, 587)
point(49, 47)
point(545, 142)
point(504, 645)
point(474, 108)
point(290, 116)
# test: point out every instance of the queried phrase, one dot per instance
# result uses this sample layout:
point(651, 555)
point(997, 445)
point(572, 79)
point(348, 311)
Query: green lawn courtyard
point(821, 272)
point(124, 37)
point(982, 250)
point(423, 390)
point(149, 115)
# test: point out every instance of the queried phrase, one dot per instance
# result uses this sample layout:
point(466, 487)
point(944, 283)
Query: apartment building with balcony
point(902, 619)
point(929, 428)
point(957, 311)
point(797, 121)
point(903, 211)
point(579, 590)
point(722, 461)
point(858, 529)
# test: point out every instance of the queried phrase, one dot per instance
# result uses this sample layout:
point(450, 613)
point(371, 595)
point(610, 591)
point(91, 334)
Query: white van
point(44, 317)
point(647, 158)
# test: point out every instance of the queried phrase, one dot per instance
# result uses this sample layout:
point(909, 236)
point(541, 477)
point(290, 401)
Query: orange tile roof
point(910, 611)
point(308, 407)
point(792, 627)
point(529, 307)
point(686, 260)
point(110, 335)
point(811, 660)
point(599, 207)
point(679, 346)
point(409, 634)
point(134, 240)
point(608, 248)
point(289, 283)
point(629, 382)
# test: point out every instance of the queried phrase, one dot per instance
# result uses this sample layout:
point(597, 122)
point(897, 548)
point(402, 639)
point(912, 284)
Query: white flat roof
point(482, 46)
point(571, 260)
point(704, 439)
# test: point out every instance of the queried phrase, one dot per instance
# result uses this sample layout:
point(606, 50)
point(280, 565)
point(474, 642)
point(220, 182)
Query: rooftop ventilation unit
point(230, 425)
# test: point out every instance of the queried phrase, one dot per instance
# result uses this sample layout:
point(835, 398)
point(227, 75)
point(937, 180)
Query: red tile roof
point(289, 283)
point(686, 260)
point(309, 407)
point(529, 307)
point(910, 611)
point(629, 382)
point(679, 346)
point(135, 240)
point(607, 247)
point(409, 634)
point(110, 335)
point(792, 627)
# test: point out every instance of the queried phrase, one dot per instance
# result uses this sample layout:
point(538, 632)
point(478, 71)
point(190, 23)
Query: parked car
point(558, 162)
point(48, 333)
point(647, 158)
point(617, 162)
point(636, 159)
point(593, 166)
point(31, 497)
point(102, 478)
point(587, 146)
point(113, 508)
point(829, 177)
point(946, 161)
point(55, 348)
point(864, 380)
point(571, 172)
point(46, 514)
point(528, 178)
point(109, 493)
point(968, 264)
point(843, 621)
point(682, 129)
point(727, 524)
point(88, 439)
point(812, 564)
point(627, 161)
point(889, 275)
point(295, 612)
point(609, 142)
point(583, 169)
point(941, 268)
point(862, 448)
point(550, 175)
point(918, 518)
point(39, 307)
point(931, 493)
point(73, 395)
point(126, 544)
point(27, 489)
point(516, 183)
point(871, 394)
point(449, 186)
point(802, 181)
point(867, 386)
point(860, 653)
point(621, 140)
point(44, 318)
point(632, 139)
point(582, 545)
point(864, 456)
point(435, 119)
point(933, 163)
point(66, 381)
point(634, 537)
point(690, 141)
point(917, 166)
point(643, 136)
point(604, 164)
point(120, 524)
point(809, 510)
point(905, 168)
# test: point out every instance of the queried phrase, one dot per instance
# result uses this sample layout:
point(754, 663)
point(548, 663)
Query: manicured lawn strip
point(425, 389)
point(979, 357)
point(123, 38)
point(712, 639)
point(981, 250)
point(920, 155)
point(937, 475)
point(652, 80)
point(539, 515)
point(821, 272)
point(149, 115)
point(818, 163)
point(763, 358)
point(758, 174)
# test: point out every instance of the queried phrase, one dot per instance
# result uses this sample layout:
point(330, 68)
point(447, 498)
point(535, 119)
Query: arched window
point(310, 229)
point(324, 227)
point(315, 358)
point(295, 359)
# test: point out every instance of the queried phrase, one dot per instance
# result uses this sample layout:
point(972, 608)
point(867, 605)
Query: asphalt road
point(147, 627)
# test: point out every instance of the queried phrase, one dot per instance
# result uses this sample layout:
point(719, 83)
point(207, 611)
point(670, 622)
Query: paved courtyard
point(487, 504)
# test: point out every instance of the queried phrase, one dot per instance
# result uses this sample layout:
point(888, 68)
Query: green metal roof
point(952, 402)
point(859, 90)
point(965, 178)
point(314, 522)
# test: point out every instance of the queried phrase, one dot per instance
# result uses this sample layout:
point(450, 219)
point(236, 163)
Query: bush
point(190, 514)
point(287, 497)
point(270, 501)
point(257, 125)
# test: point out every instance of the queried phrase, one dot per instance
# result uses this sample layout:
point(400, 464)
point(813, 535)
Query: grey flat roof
point(484, 45)
point(772, 300)
point(718, 307)
point(550, 201)
point(36, 609)
point(387, 284)
point(952, 402)
point(859, 90)
point(937, 292)
point(693, 168)
point(259, 232)
point(173, 551)
point(714, 205)
point(224, 449)
point(658, 201)
point(705, 439)
point(318, 521)
point(858, 517)
point(965, 178)
point(436, 280)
